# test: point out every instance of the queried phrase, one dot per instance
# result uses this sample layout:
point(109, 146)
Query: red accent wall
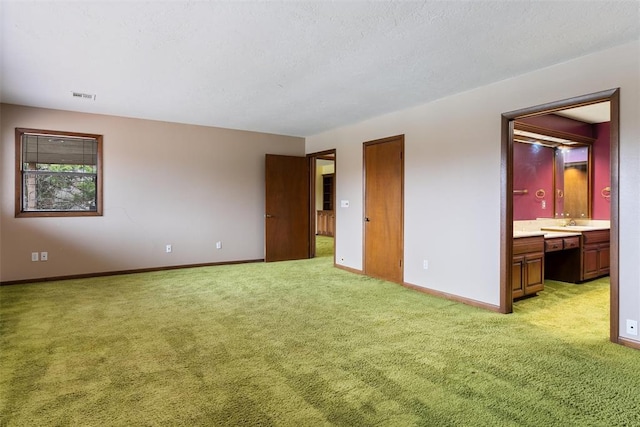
point(601, 171)
point(533, 171)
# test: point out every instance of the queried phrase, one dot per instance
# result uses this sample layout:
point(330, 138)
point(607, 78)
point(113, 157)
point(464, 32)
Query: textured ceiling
point(295, 68)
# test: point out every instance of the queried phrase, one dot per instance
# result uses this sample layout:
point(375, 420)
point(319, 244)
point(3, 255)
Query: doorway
point(507, 191)
point(323, 203)
point(384, 208)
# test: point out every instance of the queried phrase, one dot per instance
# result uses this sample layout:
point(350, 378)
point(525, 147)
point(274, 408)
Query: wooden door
point(383, 208)
point(286, 208)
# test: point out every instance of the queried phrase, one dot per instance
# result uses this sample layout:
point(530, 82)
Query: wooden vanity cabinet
point(528, 266)
point(595, 254)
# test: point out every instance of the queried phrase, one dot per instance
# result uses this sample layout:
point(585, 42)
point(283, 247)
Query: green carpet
point(304, 344)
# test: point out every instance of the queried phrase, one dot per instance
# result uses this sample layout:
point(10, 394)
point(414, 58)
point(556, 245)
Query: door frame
point(506, 196)
point(312, 157)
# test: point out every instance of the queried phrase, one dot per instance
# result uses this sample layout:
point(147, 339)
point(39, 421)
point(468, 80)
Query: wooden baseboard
point(120, 272)
point(451, 297)
point(349, 269)
point(439, 294)
point(629, 343)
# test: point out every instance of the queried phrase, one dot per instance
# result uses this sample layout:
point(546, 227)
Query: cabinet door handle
point(268, 216)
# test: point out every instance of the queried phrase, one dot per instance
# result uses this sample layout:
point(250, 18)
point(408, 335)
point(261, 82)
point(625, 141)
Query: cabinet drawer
point(597, 236)
point(551, 245)
point(524, 245)
point(571, 242)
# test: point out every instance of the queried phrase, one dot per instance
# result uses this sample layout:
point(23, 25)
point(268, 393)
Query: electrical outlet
point(425, 264)
point(34, 256)
point(168, 249)
point(44, 256)
point(632, 327)
point(218, 245)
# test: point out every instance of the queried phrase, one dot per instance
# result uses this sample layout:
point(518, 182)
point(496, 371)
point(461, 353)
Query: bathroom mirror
point(572, 183)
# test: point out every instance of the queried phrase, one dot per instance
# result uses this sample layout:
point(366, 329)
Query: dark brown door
point(286, 208)
point(383, 208)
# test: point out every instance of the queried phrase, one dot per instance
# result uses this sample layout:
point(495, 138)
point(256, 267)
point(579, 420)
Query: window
point(58, 173)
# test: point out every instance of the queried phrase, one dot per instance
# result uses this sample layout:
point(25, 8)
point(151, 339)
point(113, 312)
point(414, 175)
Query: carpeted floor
point(301, 343)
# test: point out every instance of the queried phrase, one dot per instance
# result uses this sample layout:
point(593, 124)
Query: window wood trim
point(19, 213)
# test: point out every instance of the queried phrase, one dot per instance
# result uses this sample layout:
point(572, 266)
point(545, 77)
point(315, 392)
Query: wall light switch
point(632, 327)
point(344, 203)
point(168, 249)
point(34, 256)
point(44, 256)
point(218, 245)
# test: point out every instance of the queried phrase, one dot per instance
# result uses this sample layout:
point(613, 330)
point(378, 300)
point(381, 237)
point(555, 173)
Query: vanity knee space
point(578, 258)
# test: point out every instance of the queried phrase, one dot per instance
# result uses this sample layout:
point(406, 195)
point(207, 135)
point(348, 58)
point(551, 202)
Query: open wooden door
point(286, 208)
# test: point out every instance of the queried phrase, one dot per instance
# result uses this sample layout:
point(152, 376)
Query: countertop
point(557, 232)
point(518, 234)
point(574, 228)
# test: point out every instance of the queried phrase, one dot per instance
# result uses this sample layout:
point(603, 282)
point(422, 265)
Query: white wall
point(164, 183)
point(452, 175)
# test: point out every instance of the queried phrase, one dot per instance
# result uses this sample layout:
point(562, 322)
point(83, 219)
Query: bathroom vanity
point(571, 254)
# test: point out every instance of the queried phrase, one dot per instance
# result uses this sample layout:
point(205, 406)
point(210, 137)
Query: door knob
point(366, 219)
point(268, 216)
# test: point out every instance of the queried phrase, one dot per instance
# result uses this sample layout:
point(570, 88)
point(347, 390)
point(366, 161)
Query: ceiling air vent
point(83, 95)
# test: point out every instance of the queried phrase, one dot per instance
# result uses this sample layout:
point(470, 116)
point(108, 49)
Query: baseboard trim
point(451, 297)
point(439, 294)
point(121, 272)
point(629, 343)
point(349, 269)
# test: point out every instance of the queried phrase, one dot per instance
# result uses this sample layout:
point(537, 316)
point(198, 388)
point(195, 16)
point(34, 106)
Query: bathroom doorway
point(507, 197)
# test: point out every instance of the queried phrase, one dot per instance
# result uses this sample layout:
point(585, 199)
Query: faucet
point(568, 221)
